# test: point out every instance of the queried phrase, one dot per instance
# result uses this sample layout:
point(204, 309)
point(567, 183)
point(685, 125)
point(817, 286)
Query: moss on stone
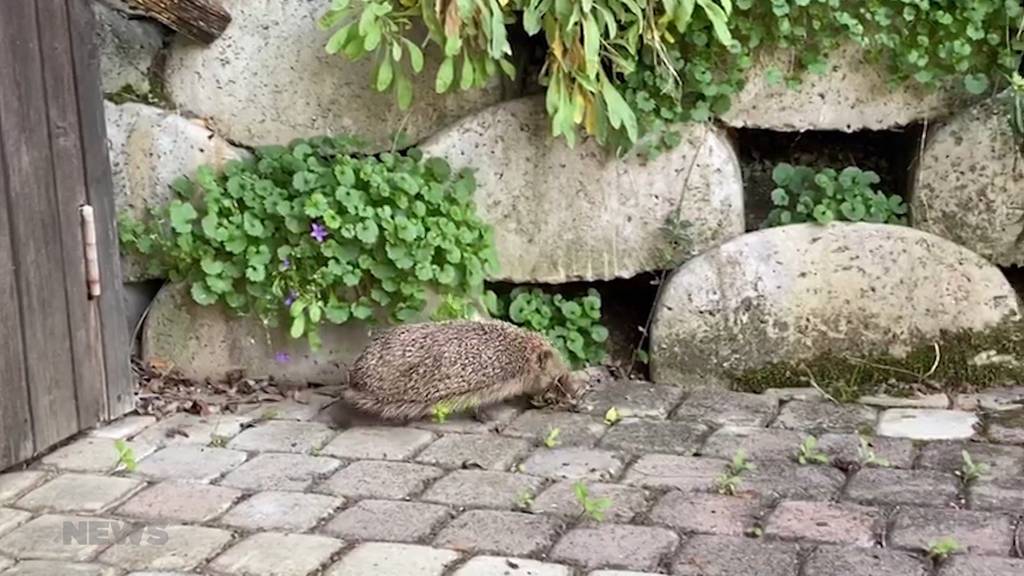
point(967, 361)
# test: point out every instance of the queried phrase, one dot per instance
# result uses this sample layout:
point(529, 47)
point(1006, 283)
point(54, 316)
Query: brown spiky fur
point(408, 370)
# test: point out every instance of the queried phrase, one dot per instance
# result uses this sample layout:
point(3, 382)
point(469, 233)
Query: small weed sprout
point(612, 416)
point(551, 440)
point(970, 472)
point(218, 441)
point(809, 453)
point(593, 507)
point(525, 499)
point(729, 482)
point(125, 455)
point(269, 414)
point(943, 548)
point(866, 455)
point(441, 412)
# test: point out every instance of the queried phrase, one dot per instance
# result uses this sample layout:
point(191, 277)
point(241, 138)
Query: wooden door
point(64, 362)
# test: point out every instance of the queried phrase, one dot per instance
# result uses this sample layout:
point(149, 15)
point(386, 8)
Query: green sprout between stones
point(969, 472)
point(808, 452)
point(551, 439)
point(866, 454)
point(125, 455)
point(612, 416)
point(592, 507)
point(729, 482)
point(943, 548)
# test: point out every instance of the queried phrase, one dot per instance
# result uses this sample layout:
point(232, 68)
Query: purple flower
point(282, 357)
point(290, 298)
point(317, 231)
point(286, 264)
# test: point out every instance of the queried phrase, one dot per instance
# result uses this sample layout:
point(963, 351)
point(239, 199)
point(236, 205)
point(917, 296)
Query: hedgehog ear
point(545, 357)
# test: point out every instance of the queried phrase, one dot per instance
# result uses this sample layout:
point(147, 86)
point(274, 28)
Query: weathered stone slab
point(852, 95)
point(491, 565)
point(825, 522)
point(759, 443)
point(1000, 461)
point(562, 214)
point(1002, 495)
point(387, 558)
point(51, 567)
point(47, 538)
point(560, 500)
point(275, 554)
point(707, 513)
point(190, 463)
point(831, 560)
point(78, 493)
point(727, 408)
point(886, 487)
point(970, 182)
point(980, 533)
point(731, 556)
point(982, 565)
point(14, 484)
point(284, 511)
point(208, 342)
point(483, 489)
point(123, 428)
point(825, 416)
point(888, 452)
point(284, 436)
point(128, 48)
point(93, 455)
point(178, 548)
point(179, 502)
point(388, 521)
point(272, 58)
point(490, 452)
point(497, 532)
point(777, 478)
point(11, 519)
point(294, 472)
point(684, 473)
point(378, 443)
point(184, 428)
point(573, 429)
point(667, 437)
point(615, 546)
point(782, 294)
point(632, 398)
point(375, 479)
point(573, 464)
point(918, 424)
point(1006, 427)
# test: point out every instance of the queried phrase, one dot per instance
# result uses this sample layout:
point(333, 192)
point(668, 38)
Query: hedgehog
point(408, 371)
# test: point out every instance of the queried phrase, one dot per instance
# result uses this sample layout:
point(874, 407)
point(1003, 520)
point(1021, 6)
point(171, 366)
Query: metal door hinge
point(92, 265)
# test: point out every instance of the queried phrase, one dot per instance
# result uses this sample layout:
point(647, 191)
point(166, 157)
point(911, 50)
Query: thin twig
point(935, 365)
point(816, 387)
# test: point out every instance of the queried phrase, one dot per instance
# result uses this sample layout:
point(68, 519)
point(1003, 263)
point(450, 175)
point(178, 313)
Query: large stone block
point(970, 183)
point(128, 49)
point(562, 214)
point(149, 148)
point(793, 292)
point(268, 80)
point(852, 95)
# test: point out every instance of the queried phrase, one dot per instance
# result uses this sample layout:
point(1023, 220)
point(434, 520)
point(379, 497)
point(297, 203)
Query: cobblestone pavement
point(279, 492)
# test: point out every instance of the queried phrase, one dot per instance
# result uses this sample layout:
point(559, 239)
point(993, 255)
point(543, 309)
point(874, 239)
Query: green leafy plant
point(525, 499)
point(573, 325)
point(943, 548)
point(592, 507)
point(125, 455)
point(441, 411)
point(808, 452)
point(218, 441)
point(315, 232)
point(551, 439)
point(612, 416)
point(970, 472)
point(729, 481)
point(866, 455)
point(803, 195)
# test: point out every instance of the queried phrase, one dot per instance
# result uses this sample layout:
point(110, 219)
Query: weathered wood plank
point(100, 194)
point(69, 180)
point(15, 418)
point(202, 20)
point(34, 223)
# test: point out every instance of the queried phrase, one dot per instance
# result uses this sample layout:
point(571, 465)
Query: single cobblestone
point(616, 546)
point(684, 473)
point(277, 471)
point(54, 568)
point(1006, 427)
point(283, 436)
point(573, 429)
point(496, 566)
point(14, 484)
point(185, 548)
point(378, 443)
point(560, 500)
point(833, 560)
point(727, 408)
point(499, 532)
point(11, 519)
point(185, 428)
point(707, 513)
point(380, 479)
point(846, 449)
point(190, 463)
point(180, 502)
point(885, 487)
point(47, 538)
point(573, 464)
point(78, 493)
point(283, 511)
point(918, 424)
point(727, 556)
point(291, 409)
point(388, 521)
point(978, 532)
point(483, 489)
point(274, 554)
point(757, 443)
point(982, 566)
point(632, 398)
point(1000, 460)
point(1004, 494)
point(792, 481)
point(827, 522)
point(638, 436)
point(490, 452)
point(97, 455)
point(825, 417)
point(380, 558)
point(124, 428)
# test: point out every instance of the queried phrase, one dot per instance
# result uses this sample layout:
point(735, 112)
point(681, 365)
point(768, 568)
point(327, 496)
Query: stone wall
point(732, 300)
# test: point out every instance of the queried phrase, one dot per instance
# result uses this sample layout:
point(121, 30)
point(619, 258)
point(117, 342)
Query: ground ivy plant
point(573, 325)
point(803, 195)
point(315, 232)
